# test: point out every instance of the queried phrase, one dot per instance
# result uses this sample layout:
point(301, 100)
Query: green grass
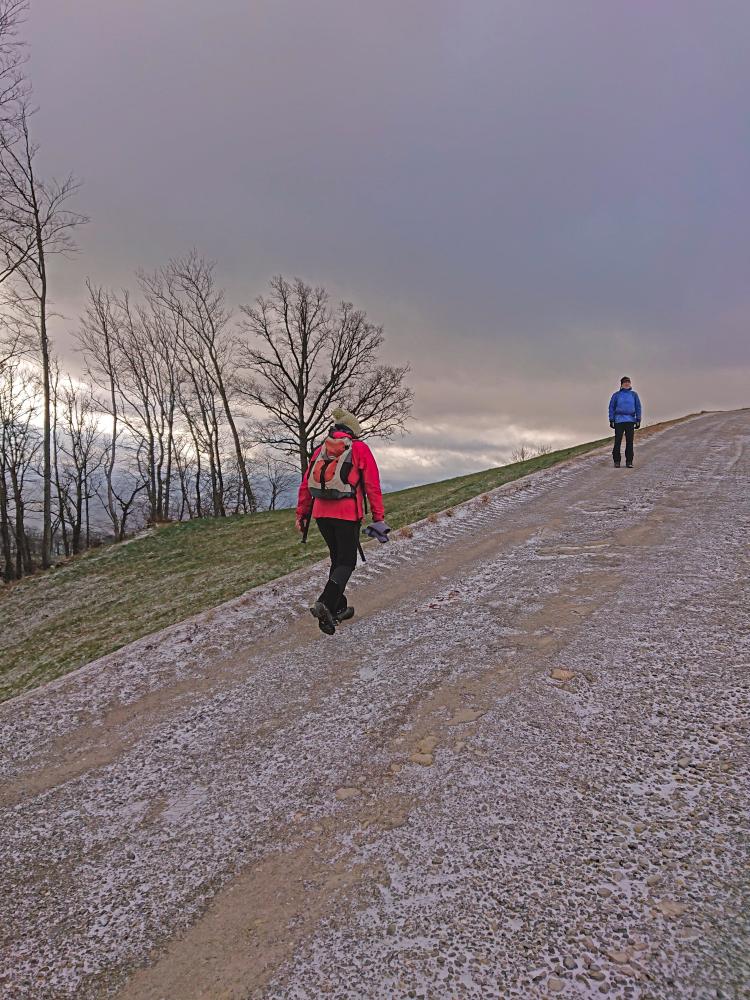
point(93, 604)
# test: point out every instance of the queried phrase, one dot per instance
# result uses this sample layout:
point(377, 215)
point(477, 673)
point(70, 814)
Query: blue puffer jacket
point(625, 407)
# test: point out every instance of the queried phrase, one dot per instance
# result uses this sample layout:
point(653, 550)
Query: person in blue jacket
point(625, 417)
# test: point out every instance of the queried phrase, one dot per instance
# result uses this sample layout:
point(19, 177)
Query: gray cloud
point(533, 198)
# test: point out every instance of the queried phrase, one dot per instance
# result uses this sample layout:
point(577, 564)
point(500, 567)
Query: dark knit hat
point(625, 378)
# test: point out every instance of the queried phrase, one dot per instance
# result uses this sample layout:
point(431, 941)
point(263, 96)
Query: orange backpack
point(330, 470)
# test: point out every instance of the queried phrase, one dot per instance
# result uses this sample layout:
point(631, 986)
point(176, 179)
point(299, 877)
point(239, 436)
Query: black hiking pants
point(628, 429)
point(342, 539)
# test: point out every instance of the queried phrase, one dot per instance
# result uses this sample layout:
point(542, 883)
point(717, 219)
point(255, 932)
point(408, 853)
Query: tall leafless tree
point(130, 353)
point(304, 358)
point(98, 338)
point(37, 215)
point(187, 286)
point(201, 411)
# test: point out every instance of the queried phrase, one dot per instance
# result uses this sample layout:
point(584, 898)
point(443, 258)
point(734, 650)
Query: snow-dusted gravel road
point(521, 771)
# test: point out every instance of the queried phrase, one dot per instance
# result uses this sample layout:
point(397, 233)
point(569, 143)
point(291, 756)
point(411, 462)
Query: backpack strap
point(326, 462)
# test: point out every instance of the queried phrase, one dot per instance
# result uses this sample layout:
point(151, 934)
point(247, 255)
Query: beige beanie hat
point(342, 416)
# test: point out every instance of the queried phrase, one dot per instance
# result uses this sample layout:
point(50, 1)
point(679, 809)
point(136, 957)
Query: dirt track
point(239, 807)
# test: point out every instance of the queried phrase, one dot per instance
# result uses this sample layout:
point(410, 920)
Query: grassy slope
point(95, 603)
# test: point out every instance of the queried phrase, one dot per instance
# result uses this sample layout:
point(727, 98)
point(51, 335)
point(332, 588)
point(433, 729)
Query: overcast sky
point(534, 197)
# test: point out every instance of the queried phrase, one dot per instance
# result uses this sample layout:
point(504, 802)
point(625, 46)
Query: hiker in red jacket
point(341, 477)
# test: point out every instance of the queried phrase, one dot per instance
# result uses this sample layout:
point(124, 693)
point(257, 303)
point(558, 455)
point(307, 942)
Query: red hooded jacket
point(364, 469)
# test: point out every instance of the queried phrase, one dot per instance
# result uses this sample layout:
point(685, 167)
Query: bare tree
point(203, 415)
point(37, 216)
point(141, 365)
point(277, 478)
point(82, 457)
point(187, 287)
point(309, 358)
point(19, 445)
point(98, 338)
point(127, 488)
point(187, 466)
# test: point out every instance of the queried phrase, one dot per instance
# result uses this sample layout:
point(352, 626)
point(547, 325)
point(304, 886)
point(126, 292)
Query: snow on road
point(521, 771)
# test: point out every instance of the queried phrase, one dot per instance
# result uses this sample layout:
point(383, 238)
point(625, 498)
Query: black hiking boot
point(344, 614)
point(326, 621)
point(617, 465)
point(628, 465)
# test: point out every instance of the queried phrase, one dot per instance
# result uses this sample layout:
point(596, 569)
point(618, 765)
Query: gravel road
point(522, 770)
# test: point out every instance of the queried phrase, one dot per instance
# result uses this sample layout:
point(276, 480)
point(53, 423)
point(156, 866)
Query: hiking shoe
point(628, 465)
point(344, 615)
point(617, 465)
point(326, 621)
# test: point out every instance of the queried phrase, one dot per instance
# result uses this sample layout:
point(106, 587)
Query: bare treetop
point(13, 84)
point(305, 357)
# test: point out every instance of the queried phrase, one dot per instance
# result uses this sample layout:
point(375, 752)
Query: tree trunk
point(219, 510)
point(58, 487)
point(8, 572)
point(78, 516)
point(109, 471)
point(22, 546)
point(47, 431)
point(236, 438)
point(198, 471)
point(168, 476)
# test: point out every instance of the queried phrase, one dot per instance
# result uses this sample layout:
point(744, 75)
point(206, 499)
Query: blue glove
point(379, 530)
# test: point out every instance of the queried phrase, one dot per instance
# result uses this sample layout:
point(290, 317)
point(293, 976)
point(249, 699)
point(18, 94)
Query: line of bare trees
point(200, 408)
point(180, 409)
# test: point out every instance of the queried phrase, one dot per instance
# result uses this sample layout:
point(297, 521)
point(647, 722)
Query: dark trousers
point(628, 429)
point(342, 538)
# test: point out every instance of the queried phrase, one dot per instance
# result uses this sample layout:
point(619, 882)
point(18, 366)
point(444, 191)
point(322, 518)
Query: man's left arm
point(637, 410)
